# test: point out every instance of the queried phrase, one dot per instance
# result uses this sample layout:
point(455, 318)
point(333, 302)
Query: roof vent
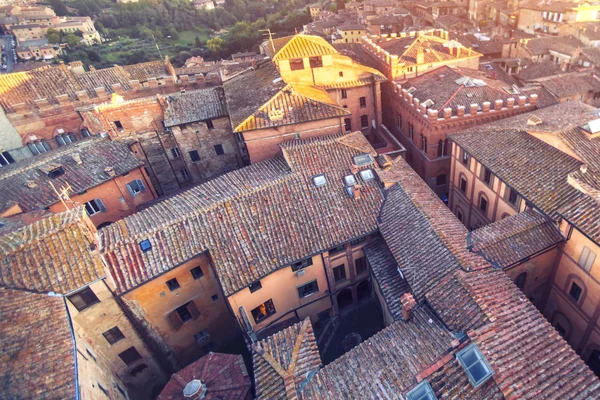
point(276, 114)
point(470, 82)
point(534, 120)
point(110, 171)
point(77, 158)
point(194, 390)
point(593, 126)
point(30, 184)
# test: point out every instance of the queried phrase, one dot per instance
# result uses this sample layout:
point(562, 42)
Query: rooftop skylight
point(475, 365)
point(349, 180)
point(145, 245)
point(422, 391)
point(367, 175)
point(319, 180)
point(363, 159)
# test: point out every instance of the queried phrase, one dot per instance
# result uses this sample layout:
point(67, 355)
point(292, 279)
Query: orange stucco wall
point(155, 302)
point(117, 199)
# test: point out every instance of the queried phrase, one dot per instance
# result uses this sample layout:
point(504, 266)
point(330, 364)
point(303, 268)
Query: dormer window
point(367, 175)
point(475, 365)
point(319, 180)
point(349, 180)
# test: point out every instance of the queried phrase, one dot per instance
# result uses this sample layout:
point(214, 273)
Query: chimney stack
point(408, 303)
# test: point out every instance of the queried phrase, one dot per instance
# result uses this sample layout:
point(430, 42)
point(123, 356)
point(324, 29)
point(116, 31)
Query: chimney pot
point(583, 168)
point(473, 108)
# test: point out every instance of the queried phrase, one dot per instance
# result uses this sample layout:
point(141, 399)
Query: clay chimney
point(420, 56)
point(408, 303)
point(357, 191)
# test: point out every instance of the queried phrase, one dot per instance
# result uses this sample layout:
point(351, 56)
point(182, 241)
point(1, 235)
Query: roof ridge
point(50, 156)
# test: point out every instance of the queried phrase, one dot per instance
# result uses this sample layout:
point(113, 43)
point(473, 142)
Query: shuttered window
point(135, 187)
point(587, 258)
point(183, 314)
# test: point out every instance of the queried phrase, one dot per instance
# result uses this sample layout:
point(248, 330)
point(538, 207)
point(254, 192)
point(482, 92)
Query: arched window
point(483, 203)
point(463, 184)
point(38, 147)
point(65, 139)
point(443, 146)
point(520, 280)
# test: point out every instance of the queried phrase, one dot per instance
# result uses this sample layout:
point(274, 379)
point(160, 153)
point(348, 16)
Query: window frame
point(173, 284)
point(131, 354)
point(219, 149)
point(342, 268)
point(175, 152)
point(590, 255)
point(115, 335)
point(194, 155)
point(483, 198)
point(575, 298)
point(348, 124)
point(363, 262)
point(185, 174)
point(462, 179)
point(428, 394)
point(139, 187)
point(305, 285)
point(195, 275)
point(362, 102)
point(255, 286)
point(270, 311)
point(297, 266)
point(462, 354)
point(364, 121)
point(87, 291)
point(344, 94)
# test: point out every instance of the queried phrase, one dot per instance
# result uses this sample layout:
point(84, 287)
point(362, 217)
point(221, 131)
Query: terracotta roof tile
point(514, 238)
point(524, 165)
point(565, 85)
point(285, 361)
point(385, 271)
point(298, 46)
point(224, 375)
point(38, 361)
point(54, 254)
point(253, 221)
point(28, 183)
point(195, 105)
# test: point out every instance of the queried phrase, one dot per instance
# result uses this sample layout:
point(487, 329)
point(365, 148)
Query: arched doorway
point(344, 298)
point(363, 290)
point(104, 224)
point(520, 280)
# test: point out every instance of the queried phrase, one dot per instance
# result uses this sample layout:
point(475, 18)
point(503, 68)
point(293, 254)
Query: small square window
point(302, 264)
point(83, 299)
point(184, 312)
point(263, 311)
point(319, 180)
point(118, 124)
point(197, 272)
point(215, 297)
point(130, 356)
point(308, 289)
point(201, 336)
point(172, 284)
point(364, 121)
point(113, 335)
point(339, 273)
point(587, 258)
point(575, 291)
point(175, 152)
point(219, 149)
point(255, 286)
point(145, 245)
point(344, 94)
point(363, 102)
point(194, 155)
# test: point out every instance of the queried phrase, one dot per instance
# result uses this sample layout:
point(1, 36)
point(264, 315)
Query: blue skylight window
point(145, 245)
point(349, 180)
point(422, 391)
point(475, 365)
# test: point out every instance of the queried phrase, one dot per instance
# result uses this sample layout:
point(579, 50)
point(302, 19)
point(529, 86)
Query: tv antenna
point(63, 194)
point(268, 30)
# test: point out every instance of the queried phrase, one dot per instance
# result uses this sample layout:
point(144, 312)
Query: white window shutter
point(131, 191)
point(101, 205)
point(141, 186)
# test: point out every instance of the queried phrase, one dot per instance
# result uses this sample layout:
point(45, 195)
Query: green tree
point(53, 35)
point(72, 40)
point(59, 7)
point(216, 46)
point(198, 42)
point(93, 56)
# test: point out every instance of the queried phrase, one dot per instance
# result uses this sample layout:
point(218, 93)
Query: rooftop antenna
point(63, 194)
point(270, 37)
point(157, 48)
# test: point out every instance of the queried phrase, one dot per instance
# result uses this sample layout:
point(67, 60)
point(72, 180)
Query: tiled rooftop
point(538, 70)
point(58, 253)
point(298, 46)
point(441, 87)
point(561, 44)
point(28, 182)
point(285, 361)
point(38, 361)
point(584, 212)
point(277, 211)
point(514, 238)
point(435, 49)
point(195, 105)
point(524, 165)
point(565, 85)
point(224, 375)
